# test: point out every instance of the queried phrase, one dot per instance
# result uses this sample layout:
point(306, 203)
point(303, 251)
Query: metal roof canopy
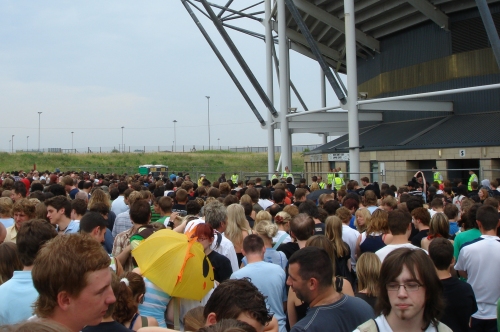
point(317, 29)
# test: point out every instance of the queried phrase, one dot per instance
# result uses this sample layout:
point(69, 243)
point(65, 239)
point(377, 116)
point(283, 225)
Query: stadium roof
point(439, 132)
point(374, 20)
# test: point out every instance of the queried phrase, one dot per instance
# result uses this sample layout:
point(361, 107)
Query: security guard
point(321, 184)
point(234, 178)
point(437, 177)
point(330, 176)
point(339, 182)
point(472, 178)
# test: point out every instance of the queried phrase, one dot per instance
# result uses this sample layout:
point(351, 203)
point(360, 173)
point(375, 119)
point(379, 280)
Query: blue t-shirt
point(17, 296)
point(7, 222)
point(270, 280)
point(344, 315)
point(272, 256)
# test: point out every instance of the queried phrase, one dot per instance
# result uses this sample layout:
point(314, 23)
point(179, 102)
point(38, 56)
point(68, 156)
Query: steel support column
point(491, 30)
point(224, 63)
point(324, 138)
point(239, 58)
point(315, 49)
point(284, 87)
point(352, 89)
point(270, 86)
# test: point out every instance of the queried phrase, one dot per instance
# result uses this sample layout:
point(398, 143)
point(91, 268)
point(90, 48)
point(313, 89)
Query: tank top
point(371, 243)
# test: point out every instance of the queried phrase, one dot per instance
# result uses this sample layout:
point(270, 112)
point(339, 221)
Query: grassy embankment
point(210, 162)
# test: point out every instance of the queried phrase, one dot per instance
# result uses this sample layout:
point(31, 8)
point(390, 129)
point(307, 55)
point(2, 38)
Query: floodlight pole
point(12, 143)
point(27, 143)
point(208, 101)
point(39, 113)
point(123, 147)
point(72, 139)
point(284, 87)
point(175, 136)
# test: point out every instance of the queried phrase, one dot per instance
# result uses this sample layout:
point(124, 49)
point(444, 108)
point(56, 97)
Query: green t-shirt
point(154, 216)
point(464, 237)
point(164, 219)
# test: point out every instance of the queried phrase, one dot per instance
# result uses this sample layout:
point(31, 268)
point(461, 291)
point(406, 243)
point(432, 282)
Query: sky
point(93, 67)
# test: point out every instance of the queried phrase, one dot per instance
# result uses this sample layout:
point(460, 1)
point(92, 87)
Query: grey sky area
point(92, 67)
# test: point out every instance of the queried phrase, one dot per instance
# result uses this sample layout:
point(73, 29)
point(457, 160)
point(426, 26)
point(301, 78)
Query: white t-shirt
point(383, 325)
point(279, 235)
point(265, 203)
point(383, 252)
point(481, 260)
point(350, 236)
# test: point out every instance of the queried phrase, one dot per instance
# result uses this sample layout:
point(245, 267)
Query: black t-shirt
point(319, 229)
point(417, 239)
point(371, 300)
point(222, 266)
point(251, 222)
point(460, 304)
point(106, 327)
point(179, 208)
point(291, 188)
point(288, 248)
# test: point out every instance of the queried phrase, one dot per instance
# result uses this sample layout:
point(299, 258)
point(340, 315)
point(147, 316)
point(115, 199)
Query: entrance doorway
point(465, 165)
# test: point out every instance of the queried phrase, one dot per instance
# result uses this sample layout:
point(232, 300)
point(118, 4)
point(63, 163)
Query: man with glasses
point(411, 296)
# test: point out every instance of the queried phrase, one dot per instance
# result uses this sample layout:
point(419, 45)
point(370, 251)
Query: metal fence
point(164, 148)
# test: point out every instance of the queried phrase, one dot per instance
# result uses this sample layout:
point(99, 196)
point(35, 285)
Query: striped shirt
point(155, 303)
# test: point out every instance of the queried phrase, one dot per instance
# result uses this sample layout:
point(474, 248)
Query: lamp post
point(208, 101)
point(27, 143)
point(13, 143)
point(39, 113)
point(72, 139)
point(123, 146)
point(218, 142)
point(175, 136)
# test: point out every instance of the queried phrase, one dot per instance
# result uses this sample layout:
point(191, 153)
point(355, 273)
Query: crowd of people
point(308, 256)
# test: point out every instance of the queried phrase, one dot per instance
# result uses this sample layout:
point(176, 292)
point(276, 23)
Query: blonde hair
point(6, 206)
point(368, 272)
point(194, 319)
point(333, 232)
point(99, 196)
point(367, 215)
point(246, 199)
point(236, 223)
point(266, 229)
point(379, 222)
point(314, 186)
point(262, 215)
point(282, 217)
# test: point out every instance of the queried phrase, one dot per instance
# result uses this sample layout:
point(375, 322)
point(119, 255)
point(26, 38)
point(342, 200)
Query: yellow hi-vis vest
point(473, 178)
point(437, 177)
point(234, 178)
point(338, 183)
point(330, 177)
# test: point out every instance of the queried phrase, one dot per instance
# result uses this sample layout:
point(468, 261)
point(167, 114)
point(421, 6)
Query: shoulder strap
point(369, 326)
point(443, 328)
point(281, 239)
point(144, 321)
point(339, 283)
point(219, 239)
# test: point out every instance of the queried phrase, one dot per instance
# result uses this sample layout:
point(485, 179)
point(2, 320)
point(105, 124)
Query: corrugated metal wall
point(427, 42)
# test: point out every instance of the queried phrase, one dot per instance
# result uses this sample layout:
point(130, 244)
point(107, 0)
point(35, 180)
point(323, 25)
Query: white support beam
point(330, 131)
point(433, 13)
point(334, 117)
point(409, 105)
point(336, 23)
